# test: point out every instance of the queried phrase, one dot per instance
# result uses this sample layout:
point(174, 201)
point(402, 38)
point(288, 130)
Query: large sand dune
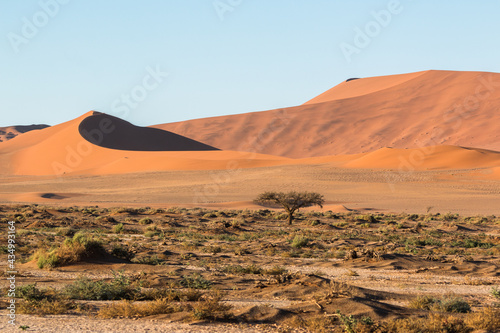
point(62, 149)
point(97, 144)
point(400, 111)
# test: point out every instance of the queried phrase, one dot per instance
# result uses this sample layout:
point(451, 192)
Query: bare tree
point(290, 201)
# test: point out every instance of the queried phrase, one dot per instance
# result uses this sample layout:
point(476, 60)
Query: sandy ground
point(69, 324)
point(415, 192)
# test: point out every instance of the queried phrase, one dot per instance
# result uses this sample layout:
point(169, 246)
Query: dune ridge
point(10, 132)
point(62, 149)
point(402, 111)
point(350, 126)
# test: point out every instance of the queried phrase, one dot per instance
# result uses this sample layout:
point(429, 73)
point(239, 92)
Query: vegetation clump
point(81, 246)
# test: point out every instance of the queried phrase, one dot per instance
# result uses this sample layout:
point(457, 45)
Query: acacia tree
point(290, 201)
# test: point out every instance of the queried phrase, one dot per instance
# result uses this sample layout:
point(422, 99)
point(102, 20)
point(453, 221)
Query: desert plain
point(127, 228)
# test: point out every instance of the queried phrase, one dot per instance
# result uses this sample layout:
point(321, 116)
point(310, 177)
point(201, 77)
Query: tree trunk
point(290, 216)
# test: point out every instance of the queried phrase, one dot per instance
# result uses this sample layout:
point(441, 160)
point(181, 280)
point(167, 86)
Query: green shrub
point(495, 292)
point(299, 241)
point(145, 220)
point(151, 234)
point(66, 231)
point(118, 228)
point(195, 281)
point(81, 246)
point(30, 292)
point(47, 260)
point(86, 289)
point(449, 304)
point(152, 260)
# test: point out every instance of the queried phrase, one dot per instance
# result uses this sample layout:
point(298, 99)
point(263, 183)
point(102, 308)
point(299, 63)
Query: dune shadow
point(111, 132)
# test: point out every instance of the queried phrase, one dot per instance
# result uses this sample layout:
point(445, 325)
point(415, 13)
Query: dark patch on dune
point(7, 133)
point(110, 132)
point(352, 79)
point(27, 128)
point(52, 196)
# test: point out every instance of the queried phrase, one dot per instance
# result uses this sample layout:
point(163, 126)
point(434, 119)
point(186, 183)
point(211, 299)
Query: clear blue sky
point(251, 55)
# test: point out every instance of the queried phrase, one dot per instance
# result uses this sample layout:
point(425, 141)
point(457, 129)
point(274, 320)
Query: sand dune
point(349, 126)
point(10, 132)
point(82, 146)
point(427, 158)
point(62, 149)
point(401, 111)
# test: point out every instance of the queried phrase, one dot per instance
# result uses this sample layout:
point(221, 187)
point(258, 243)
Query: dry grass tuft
point(129, 309)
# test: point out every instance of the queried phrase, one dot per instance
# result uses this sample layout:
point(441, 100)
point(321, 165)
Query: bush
point(495, 292)
point(152, 260)
point(45, 307)
point(86, 289)
point(122, 252)
point(450, 304)
point(486, 319)
point(299, 241)
point(118, 228)
point(211, 307)
point(195, 281)
point(66, 231)
point(172, 295)
point(145, 220)
point(30, 292)
point(80, 247)
point(128, 309)
point(46, 260)
point(432, 323)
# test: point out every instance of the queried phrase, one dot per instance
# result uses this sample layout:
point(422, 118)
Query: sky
point(159, 61)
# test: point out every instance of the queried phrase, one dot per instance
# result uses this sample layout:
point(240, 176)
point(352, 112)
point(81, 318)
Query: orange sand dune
point(10, 132)
point(401, 111)
point(61, 149)
point(359, 87)
point(426, 158)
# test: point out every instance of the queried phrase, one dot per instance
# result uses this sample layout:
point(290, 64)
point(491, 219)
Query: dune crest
point(114, 133)
point(401, 111)
point(363, 86)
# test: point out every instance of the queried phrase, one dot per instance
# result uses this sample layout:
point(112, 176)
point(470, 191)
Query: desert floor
point(389, 271)
point(466, 191)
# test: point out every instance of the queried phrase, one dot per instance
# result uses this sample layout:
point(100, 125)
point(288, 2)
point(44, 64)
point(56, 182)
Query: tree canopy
point(290, 201)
